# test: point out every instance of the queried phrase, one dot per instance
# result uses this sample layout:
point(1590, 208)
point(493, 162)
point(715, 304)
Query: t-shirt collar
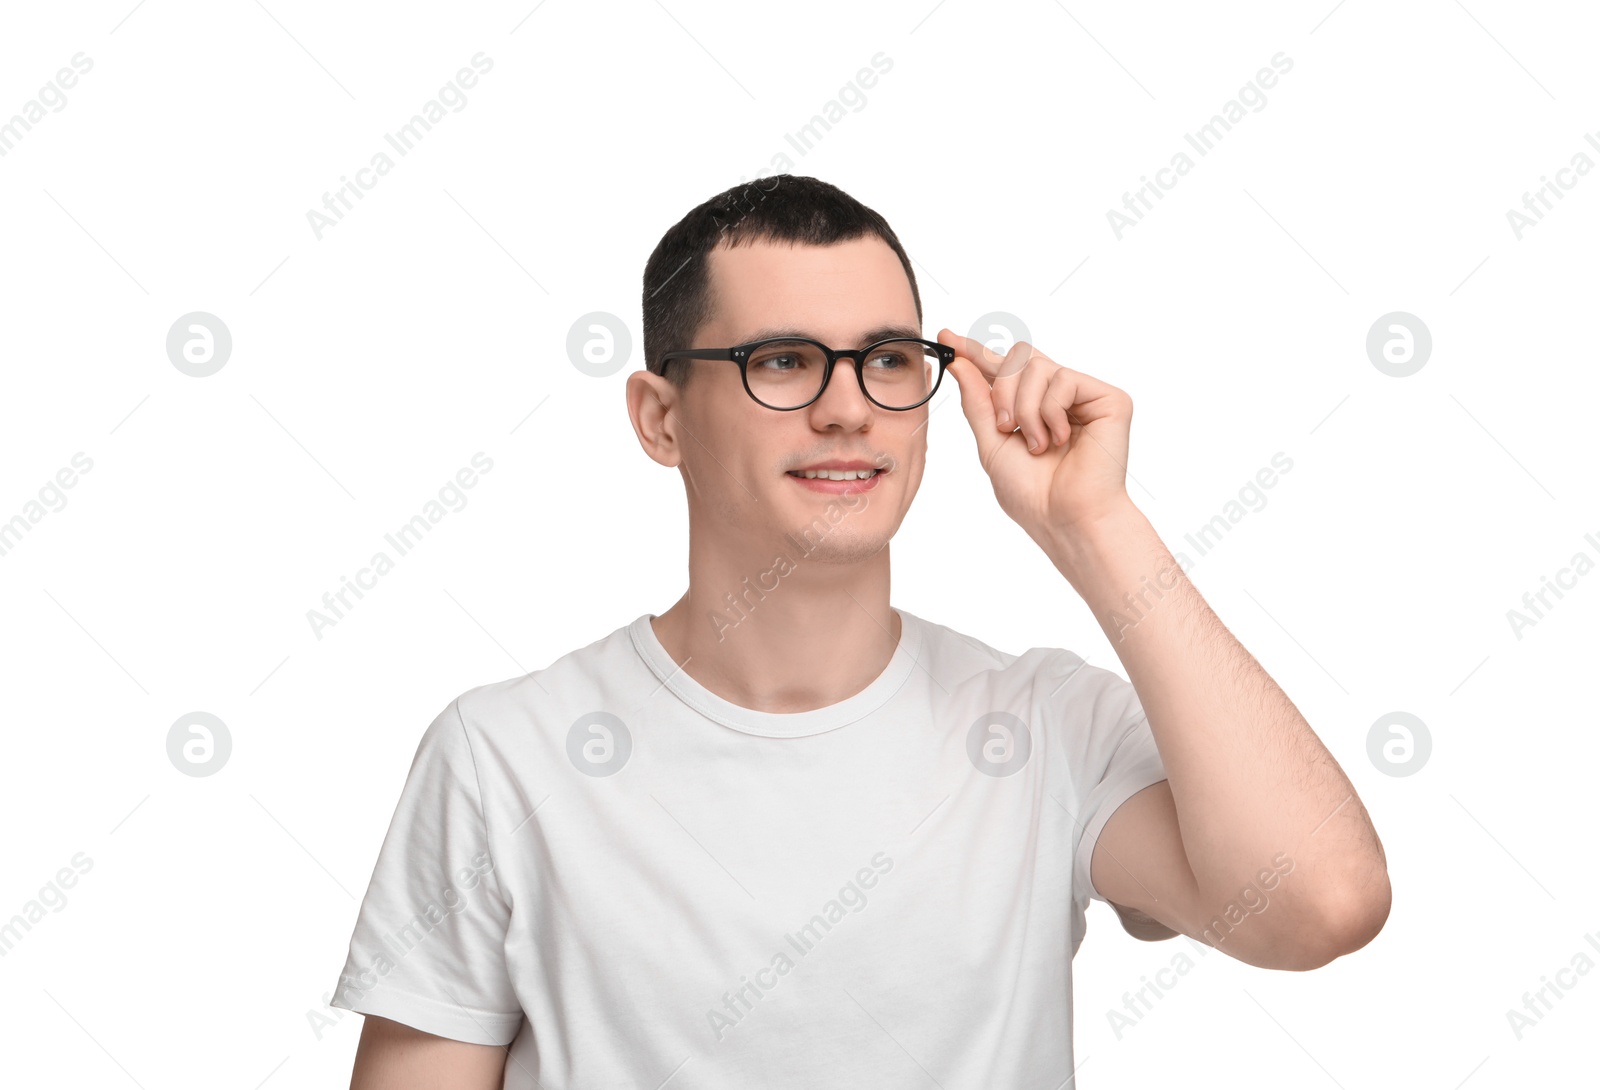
point(782, 724)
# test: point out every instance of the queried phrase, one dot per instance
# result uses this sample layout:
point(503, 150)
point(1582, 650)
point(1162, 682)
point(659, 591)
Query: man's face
point(736, 455)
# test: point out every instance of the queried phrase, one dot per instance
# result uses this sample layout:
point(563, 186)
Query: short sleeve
point(1111, 753)
point(428, 948)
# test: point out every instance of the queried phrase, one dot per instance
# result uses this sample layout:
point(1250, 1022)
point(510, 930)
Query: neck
point(790, 636)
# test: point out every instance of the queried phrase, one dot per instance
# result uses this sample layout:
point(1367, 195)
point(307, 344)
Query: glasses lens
point(900, 374)
point(788, 374)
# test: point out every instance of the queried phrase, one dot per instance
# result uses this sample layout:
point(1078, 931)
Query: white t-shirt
point(626, 877)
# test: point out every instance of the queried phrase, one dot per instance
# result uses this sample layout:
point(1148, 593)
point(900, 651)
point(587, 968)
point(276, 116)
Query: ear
point(653, 403)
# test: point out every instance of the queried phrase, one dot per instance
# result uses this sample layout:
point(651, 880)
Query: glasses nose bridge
point(858, 357)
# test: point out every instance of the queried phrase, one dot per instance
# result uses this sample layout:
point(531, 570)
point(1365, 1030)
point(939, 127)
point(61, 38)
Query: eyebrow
point(871, 336)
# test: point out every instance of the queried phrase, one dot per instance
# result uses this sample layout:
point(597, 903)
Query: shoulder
point(948, 653)
point(1043, 676)
point(598, 674)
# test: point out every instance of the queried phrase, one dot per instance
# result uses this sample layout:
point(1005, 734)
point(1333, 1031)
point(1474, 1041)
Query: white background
point(370, 365)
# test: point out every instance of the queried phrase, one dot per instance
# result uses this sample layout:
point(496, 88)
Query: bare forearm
point(1251, 782)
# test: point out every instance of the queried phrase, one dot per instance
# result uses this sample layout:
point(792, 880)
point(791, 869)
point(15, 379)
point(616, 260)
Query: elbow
point(1350, 916)
point(1368, 911)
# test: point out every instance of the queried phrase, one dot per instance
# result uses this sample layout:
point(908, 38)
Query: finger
point(1030, 394)
point(977, 406)
point(978, 353)
point(1007, 377)
point(1087, 398)
point(1053, 408)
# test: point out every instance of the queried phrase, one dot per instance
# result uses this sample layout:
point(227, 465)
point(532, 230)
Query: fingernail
point(1005, 418)
point(1033, 444)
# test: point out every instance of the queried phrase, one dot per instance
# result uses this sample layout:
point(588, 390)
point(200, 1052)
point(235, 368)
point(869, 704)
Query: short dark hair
point(792, 208)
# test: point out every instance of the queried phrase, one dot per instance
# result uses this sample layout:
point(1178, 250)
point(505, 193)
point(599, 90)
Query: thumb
point(977, 404)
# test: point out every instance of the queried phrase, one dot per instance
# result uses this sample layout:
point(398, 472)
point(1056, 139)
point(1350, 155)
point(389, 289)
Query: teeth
point(836, 474)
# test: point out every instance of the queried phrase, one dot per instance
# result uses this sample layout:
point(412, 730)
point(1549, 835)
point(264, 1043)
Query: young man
point(787, 835)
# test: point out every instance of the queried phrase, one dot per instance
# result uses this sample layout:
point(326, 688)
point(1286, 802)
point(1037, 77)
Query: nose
point(842, 400)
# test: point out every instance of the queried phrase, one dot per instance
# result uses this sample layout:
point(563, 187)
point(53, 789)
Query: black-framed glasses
point(787, 373)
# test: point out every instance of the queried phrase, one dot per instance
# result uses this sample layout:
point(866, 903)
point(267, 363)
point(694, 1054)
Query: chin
point(819, 543)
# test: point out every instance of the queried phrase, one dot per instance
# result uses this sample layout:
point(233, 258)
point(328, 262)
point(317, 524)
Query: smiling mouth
point(836, 474)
